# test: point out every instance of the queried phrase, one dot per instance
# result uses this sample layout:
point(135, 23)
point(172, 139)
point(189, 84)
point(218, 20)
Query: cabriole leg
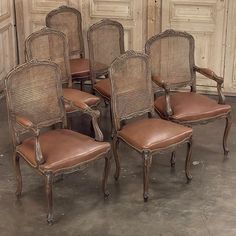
point(115, 143)
point(188, 160)
point(226, 133)
point(172, 160)
point(106, 174)
point(48, 185)
point(146, 169)
point(16, 163)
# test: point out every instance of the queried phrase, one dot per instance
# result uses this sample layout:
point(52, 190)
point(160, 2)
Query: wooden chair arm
point(28, 124)
point(95, 114)
point(162, 84)
point(211, 75)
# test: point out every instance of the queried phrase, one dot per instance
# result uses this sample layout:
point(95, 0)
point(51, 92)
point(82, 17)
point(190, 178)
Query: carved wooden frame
point(83, 108)
point(27, 126)
point(72, 10)
point(94, 27)
point(193, 68)
point(118, 122)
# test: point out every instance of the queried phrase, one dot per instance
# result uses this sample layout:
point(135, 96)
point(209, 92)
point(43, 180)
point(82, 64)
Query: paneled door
point(230, 62)
point(131, 13)
point(30, 15)
point(206, 20)
point(7, 39)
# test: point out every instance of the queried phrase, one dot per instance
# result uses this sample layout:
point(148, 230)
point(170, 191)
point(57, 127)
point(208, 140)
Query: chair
point(51, 152)
point(105, 42)
point(132, 97)
point(173, 67)
point(68, 20)
point(50, 44)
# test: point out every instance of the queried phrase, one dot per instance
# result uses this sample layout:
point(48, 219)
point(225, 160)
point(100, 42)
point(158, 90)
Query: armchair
point(50, 152)
point(173, 67)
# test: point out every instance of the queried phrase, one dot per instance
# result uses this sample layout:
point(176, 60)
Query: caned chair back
point(69, 21)
point(131, 87)
point(52, 45)
point(172, 57)
point(105, 42)
point(34, 92)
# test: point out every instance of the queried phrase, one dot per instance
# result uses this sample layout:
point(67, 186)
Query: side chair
point(132, 97)
point(105, 43)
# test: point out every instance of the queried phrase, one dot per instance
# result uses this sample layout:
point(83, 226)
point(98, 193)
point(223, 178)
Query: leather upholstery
point(157, 80)
point(78, 97)
point(153, 134)
point(79, 67)
point(23, 121)
point(104, 88)
point(190, 107)
point(62, 149)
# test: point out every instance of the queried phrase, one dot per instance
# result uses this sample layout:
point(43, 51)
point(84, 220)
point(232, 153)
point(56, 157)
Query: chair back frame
point(145, 95)
point(60, 36)
point(173, 33)
point(93, 62)
point(66, 9)
point(15, 129)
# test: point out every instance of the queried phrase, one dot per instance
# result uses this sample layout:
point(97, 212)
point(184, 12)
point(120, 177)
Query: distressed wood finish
point(103, 29)
point(39, 115)
point(56, 48)
point(122, 112)
point(190, 80)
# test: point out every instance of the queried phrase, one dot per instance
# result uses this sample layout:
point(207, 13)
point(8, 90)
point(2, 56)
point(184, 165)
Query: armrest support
point(211, 75)
point(162, 84)
point(27, 124)
point(95, 114)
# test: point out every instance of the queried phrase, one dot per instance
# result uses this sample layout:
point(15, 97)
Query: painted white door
point(131, 13)
point(7, 39)
point(206, 20)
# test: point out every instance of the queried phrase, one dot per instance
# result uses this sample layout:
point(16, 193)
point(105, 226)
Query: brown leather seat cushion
point(62, 148)
point(75, 95)
point(104, 88)
point(153, 134)
point(191, 106)
point(79, 67)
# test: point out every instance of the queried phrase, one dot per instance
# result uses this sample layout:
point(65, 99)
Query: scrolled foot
point(116, 176)
point(18, 194)
point(106, 194)
point(50, 220)
point(145, 197)
point(189, 177)
point(226, 153)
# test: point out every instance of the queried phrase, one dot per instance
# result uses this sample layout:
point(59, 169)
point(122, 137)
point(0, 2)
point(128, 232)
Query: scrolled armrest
point(157, 80)
point(23, 121)
point(95, 114)
point(211, 75)
point(28, 124)
point(162, 84)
